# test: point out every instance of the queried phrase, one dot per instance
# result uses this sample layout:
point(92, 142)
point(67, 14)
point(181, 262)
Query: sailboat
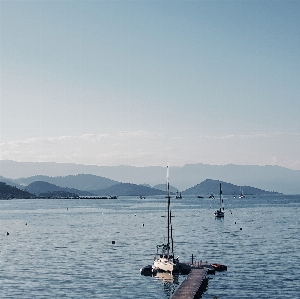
point(219, 213)
point(178, 195)
point(241, 193)
point(165, 261)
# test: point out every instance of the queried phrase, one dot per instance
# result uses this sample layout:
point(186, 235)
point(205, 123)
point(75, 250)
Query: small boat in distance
point(178, 195)
point(219, 213)
point(199, 196)
point(165, 261)
point(241, 193)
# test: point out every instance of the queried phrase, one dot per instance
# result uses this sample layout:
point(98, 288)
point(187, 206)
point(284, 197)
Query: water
point(63, 248)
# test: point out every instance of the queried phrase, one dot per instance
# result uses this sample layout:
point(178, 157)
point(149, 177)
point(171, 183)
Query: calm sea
point(63, 248)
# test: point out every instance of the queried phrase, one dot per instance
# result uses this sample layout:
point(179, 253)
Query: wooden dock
point(193, 286)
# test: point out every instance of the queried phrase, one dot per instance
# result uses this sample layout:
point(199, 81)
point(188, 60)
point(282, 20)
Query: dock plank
point(190, 287)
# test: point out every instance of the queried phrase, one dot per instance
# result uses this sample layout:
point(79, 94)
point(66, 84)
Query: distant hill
point(85, 182)
point(126, 189)
point(40, 188)
point(9, 192)
point(213, 187)
point(10, 182)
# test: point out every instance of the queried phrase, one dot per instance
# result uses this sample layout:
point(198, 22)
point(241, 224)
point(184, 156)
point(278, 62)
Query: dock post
point(192, 259)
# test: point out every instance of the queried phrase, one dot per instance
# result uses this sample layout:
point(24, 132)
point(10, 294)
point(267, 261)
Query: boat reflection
point(167, 277)
point(164, 276)
point(170, 282)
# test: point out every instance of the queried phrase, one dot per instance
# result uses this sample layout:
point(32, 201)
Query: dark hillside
point(9, 192)
point(213, 187)
point(11, 182)
point(39, 188)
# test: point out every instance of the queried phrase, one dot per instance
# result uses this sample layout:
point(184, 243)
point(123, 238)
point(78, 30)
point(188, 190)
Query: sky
point(150, 83)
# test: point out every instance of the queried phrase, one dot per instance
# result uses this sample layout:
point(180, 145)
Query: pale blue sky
point(151, 82)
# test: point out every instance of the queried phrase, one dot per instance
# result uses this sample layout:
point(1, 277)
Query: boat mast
point(169, 216)
point(220, 197)
point(172, 237)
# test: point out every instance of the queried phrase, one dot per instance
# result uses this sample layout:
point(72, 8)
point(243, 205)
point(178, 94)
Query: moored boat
point(241, 193)
point(165, 261)
point(178, 195)
point(219, 213)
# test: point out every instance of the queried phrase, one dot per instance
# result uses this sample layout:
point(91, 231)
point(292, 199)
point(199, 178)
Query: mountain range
point(49, 190)
point(269, 178)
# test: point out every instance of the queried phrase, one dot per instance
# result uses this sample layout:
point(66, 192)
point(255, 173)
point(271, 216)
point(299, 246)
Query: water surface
point(63, 248)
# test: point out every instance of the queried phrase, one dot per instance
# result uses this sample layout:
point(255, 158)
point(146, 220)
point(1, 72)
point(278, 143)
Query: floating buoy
point(235, 222)
point(143, 224)
point(113, 242)
point(7, 233)
point(26, 223)
point(240, 228)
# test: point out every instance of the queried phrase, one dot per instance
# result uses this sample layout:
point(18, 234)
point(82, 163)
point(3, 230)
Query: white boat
point(219, 213)
point(241, 193)
point(178, 195)
point(164, 260)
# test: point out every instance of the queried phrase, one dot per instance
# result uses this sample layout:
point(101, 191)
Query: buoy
point(26, 223)
point(143, 224)
point(7, 233)
point(113, 242)
point(240, 228)
point(235, 222)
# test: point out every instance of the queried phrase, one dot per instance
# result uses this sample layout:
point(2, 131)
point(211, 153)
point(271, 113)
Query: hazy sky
point(151, 82)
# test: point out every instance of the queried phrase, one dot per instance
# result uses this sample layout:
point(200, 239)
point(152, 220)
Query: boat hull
point(165, 265)
point(219, 214)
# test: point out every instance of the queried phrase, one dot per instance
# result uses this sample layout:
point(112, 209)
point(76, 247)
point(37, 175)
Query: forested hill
point(9, 192)
point(41, 188)
point(209, 186)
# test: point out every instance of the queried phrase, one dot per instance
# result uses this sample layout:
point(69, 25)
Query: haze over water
point(63, 248)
